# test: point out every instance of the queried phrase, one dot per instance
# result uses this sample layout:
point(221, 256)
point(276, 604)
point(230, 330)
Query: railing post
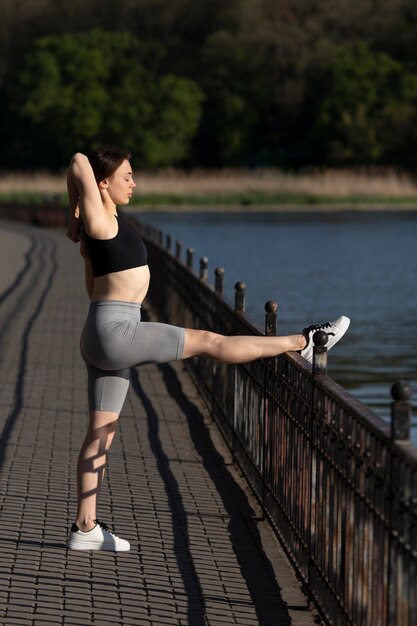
point(190, 257)
point(240, 297)
point(168, 242)
point(240, 288)
point(160, 237)
point(320, 339)
point(400, 431)
point(400, 411)
point(219, 280)
point(178, 249)
point(271, 309)
point(204, 268)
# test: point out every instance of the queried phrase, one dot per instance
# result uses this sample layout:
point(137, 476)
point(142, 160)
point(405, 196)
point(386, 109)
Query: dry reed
point(326, 182)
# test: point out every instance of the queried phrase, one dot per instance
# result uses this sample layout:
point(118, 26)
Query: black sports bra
point(123, 252)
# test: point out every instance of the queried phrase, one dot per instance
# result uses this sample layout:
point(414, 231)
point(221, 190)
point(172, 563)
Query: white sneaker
point(98, 538)
point(335, 331)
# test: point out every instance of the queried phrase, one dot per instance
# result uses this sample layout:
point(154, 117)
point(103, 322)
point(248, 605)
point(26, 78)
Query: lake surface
point(317, 267)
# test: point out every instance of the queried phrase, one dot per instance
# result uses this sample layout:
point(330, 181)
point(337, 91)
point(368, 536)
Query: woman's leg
point(91, 465)
point(106, 391)
point(238, 348)
point(106, 395)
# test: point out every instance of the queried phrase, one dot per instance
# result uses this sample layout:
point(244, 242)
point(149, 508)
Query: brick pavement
point(198, 556)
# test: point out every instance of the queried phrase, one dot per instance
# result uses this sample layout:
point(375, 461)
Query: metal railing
point(47, 212)
point(337, 483)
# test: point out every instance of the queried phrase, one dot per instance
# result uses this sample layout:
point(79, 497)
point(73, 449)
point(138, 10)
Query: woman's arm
point(89, 276)
point(83, 192)
point(74, 218)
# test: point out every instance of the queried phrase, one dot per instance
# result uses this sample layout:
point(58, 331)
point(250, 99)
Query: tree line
point(210, 83)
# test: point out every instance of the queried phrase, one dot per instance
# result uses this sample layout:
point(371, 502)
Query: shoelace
point(318, 327)
point(104, 526)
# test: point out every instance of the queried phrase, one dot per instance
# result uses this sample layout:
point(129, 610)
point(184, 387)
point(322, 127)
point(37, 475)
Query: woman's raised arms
point(84, 196)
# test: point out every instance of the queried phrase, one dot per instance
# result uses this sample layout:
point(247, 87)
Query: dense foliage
point(210, 83)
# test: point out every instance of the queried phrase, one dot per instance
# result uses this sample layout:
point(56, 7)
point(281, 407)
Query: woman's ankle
point(85, 523)
point(302, 341)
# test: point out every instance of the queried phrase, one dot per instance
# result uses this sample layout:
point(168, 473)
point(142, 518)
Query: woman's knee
point(102, 424)
point(201, 343)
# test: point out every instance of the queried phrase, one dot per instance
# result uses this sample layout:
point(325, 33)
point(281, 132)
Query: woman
point(114, 339)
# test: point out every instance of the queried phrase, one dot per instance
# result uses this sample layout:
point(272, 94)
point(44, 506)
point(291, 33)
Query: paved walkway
point(197, 555)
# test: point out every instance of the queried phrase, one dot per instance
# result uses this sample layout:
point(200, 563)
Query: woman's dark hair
point(105, 161)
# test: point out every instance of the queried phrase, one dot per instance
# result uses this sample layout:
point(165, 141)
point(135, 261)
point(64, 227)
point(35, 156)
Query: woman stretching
point(114, 339)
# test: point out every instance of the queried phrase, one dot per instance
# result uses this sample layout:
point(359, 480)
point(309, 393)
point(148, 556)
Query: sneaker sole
point(342, 329)
point(93, 545)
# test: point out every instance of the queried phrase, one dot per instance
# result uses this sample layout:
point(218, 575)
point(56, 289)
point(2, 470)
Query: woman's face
point(120, 186)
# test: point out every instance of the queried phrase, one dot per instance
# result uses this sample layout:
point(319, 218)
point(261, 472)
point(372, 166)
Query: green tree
point(75, 92)
point(173, 121)
point(230, 111)
point(368, 108)
point(280, 80)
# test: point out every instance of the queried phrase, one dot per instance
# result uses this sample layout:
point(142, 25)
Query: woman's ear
point(103, 184)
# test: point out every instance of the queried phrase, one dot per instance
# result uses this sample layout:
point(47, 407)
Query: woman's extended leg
point(244, 348)
point(238, 348)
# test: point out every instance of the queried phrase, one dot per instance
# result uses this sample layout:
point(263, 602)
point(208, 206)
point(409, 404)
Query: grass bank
point(237, 188)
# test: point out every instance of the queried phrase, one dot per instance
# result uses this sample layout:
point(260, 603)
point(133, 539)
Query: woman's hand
point(74, 216)
point(74, 226)
point(73, 231)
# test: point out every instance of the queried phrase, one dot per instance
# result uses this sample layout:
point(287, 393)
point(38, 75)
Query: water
point(317, 267)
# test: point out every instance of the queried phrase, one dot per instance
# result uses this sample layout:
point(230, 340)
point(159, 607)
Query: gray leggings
point(114, 340)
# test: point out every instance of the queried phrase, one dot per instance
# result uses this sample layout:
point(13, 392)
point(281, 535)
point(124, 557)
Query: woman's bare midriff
point(127, 286)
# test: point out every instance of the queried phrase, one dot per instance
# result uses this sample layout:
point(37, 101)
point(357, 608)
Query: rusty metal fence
point(337, 483)
point(48, 212)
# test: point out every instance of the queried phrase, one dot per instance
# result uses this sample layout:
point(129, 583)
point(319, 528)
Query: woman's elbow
point(79, 166)
point(79, 163)
point(78, 159)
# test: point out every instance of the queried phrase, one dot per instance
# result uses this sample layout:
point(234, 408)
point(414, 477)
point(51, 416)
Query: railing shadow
point(195, 601)
point(255, 566)
point(51, 265)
